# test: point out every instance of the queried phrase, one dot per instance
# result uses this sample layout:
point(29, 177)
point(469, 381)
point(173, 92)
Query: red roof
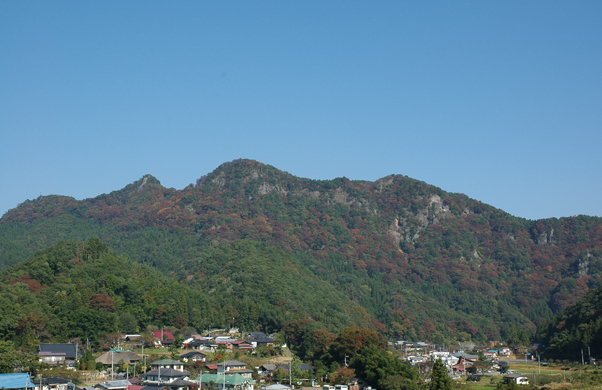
point(163, 334)
point(211, 366)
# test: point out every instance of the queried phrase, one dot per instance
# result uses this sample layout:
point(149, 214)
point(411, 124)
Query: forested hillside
point(576, 328)
point(395, 246)
point(84, 290)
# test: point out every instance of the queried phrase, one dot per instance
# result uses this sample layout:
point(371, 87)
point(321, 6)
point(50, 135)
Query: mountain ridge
point(383, 243)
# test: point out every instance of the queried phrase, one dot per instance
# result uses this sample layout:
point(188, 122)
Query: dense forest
point(392, 247)
point(574, 332)
point(84, 290)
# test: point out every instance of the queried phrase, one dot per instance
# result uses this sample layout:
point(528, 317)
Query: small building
point(164, 337)
point(164, 376)
point(203, 345)
point(226, 382)
point(20, 381)
point(231, 367)
point(519, 379)
point(52, 383)
point(109, 358)
point(57, 354)
point(168, 364)
point(276, 387)
point(259, 339)
point(266, 370)
point(113, 385)
point(195, 356)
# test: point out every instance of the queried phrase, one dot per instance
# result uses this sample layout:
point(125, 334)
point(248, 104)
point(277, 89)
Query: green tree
point(128, 323)
point(8, 357)
point(375, 364)
point(341, 376)
point(439, 378)
point(397, 382)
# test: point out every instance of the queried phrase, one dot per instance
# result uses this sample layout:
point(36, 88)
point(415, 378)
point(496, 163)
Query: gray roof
point(127, 357)
point(166, 362)
point(515, 376)
point(229, 363)
point(167, 373)
point(67, 348)
point(269, 367)
point(181, 383)
point(118, 384)
point(190, 354)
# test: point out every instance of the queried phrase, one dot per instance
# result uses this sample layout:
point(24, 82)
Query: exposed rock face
point(266, 188)
point(340, 196)
point(546, 238)
point(141, 186)
point(583, 264)
point(311, 194)
point(407, 228)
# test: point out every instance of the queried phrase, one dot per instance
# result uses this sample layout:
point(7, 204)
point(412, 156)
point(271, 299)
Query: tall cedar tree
point(439, 378)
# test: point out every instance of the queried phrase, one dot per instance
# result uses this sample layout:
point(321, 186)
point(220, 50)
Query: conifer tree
point(439, 378)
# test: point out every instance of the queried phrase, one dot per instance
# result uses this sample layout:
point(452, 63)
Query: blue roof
point(15, 381)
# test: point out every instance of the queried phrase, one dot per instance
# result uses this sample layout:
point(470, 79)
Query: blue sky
point(501, 100)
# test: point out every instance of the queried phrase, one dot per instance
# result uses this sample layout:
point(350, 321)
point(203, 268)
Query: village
point(225, 360)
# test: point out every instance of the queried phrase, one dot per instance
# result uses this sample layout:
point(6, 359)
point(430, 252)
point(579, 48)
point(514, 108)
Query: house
point(519, 379)
point(466, 356)
point(113, 385)
point(225, 344)
point(260, 342)
point(163, 376)
point(195, 356)
point(16, 381)
point(52, 383)
point(203, 345)
point(109, 358)
point(212, 368)
point(231, 367)
point(276, 387)
point(439, 354)
point(168, 364)
point(242, 345)
point(164, 337)
point(462, 365)
point(416, 359)
point(266, 370)
point(57, 354)
point(466, 346)
point(225, 382)
point(490, 355)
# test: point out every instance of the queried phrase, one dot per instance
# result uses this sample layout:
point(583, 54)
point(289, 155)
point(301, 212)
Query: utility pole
point(582, 362)
point(112, 370)
point(346, 356)
point(143, 354)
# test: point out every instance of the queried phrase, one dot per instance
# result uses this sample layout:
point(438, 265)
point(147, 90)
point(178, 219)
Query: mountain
point(84, 290)
point(424, 263)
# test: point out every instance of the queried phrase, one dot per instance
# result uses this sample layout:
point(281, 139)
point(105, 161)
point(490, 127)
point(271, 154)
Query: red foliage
point(102, 302)
point(379, 326)
point(33, 285)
